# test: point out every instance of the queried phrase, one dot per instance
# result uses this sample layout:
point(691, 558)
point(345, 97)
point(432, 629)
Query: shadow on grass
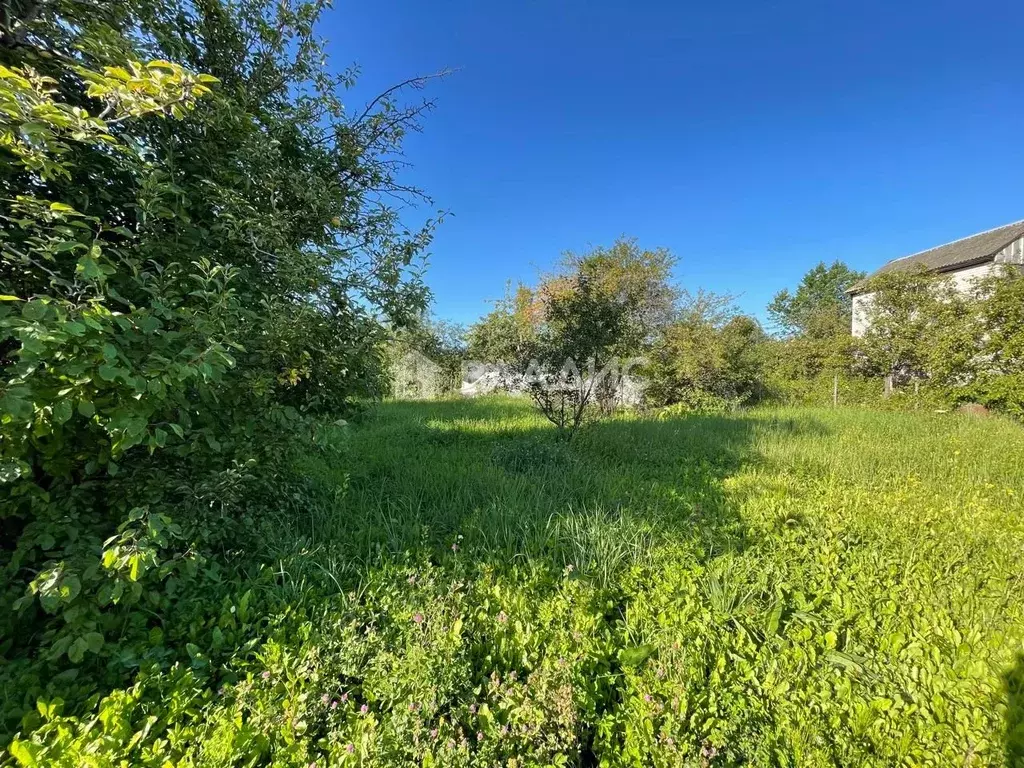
point(491, 479)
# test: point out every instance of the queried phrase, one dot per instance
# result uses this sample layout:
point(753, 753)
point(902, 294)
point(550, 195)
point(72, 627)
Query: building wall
point(861, 303)
point(962, 280)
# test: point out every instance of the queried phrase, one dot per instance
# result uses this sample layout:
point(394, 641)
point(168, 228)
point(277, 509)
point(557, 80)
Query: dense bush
point(195, 266)
point(700, 365)
point(959, 344)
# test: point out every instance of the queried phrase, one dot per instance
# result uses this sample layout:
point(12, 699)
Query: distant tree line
point(695, 351)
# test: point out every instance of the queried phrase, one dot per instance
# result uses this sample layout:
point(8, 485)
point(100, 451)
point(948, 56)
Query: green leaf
point(88, 267)
point(633, 657)
point(10, 471)
point(25, 752)
point(16, 406)
point(34, 310)
point(109, 372)
point(94, 641)
point(86, 408)
point(76, 652)
point(62, 411)
point(774, 619)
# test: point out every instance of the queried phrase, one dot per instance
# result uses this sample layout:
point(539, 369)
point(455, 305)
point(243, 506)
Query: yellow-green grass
point(769, 587)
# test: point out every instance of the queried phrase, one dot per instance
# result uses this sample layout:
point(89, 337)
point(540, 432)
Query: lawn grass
point(767, 587)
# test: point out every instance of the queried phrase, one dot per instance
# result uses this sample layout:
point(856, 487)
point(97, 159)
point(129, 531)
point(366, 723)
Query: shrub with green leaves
point(195, 273)
point(964, 344)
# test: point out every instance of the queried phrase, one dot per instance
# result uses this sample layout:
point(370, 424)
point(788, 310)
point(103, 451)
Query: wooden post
point(835, 391)
point(887, 385)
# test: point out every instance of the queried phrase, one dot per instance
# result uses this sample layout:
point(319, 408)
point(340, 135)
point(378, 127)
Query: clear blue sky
point(752, 138)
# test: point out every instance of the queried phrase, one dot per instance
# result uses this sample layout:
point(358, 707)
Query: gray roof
point(975, 249)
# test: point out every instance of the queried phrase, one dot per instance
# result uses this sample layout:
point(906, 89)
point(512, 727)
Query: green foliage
point(903, 318)
point(815, 346)
point(638, 280)
point(196, 271)
point(568, 340)
point(764, 587)
point(820, 307)
point(962, 344)
point(499, 336)
point(707, 362)
point(439, 346)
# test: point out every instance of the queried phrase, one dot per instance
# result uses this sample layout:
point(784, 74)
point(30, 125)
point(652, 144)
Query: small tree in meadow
point(564, 341)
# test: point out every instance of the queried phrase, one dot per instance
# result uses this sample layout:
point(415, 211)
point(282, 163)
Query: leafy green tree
point(197, 262)
point(498, 336)
point(565, 359)
point(904, 317)
point(600, 308)
point(638, 279)
point(820, 307)
point(814, 322)
point(1000, 377)
point(975, 350)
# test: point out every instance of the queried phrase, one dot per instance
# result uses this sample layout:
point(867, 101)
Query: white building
point(963, 262)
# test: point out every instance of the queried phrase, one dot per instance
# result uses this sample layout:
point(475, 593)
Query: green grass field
point(767, 588)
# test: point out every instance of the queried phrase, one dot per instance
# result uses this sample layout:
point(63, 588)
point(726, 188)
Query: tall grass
point(783, 586)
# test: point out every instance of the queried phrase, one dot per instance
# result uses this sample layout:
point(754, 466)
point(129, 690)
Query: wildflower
point(325, 698)
point(512, 675)
point(647, 697)
point(479, 735)
point(418, 618)
point(266, 674)
point(455, 547)
point(350, 748)
point(433, 733)
point(364, 709)
point(502, 617)
point(412, 579)
point(344, 696)
point(472, 709)
point(334, 705)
